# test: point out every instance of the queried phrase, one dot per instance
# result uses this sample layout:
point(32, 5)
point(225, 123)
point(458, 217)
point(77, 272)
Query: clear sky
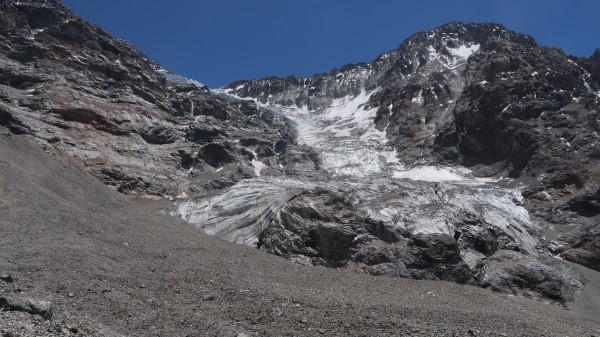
point(219, 41)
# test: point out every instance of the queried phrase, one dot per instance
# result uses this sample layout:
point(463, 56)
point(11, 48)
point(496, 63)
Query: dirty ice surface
point(346, 139)
point(242, 212)
point(349, 145)
point(366, 170)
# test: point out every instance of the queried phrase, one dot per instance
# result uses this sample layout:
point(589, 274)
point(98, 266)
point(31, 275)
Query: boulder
point(31, 306)
point(518, 274)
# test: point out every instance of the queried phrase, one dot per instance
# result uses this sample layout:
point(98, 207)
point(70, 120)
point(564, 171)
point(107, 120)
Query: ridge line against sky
point(218, 42)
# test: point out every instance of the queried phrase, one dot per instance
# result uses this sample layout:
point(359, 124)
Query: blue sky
point(219, 41)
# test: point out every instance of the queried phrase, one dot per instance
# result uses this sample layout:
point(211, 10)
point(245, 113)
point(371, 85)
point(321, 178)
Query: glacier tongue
point(242, 212)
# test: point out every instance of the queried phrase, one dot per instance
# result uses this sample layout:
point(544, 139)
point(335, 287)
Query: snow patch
point(440, 174)
point(428, 173)
point(418, 99)
point(433, 54)
point(258, 166)
point(464, 51)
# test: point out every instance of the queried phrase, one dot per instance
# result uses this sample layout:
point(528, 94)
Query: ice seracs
point(346, 138)
point(242, 212)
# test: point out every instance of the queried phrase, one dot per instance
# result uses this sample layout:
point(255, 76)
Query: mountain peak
point(596, 55)
point(477, 33)
point(35, 3)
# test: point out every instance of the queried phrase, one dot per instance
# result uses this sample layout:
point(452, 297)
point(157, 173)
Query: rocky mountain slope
point(468, 154)
point(85, 94)
point(108, 265)
point(472, 96)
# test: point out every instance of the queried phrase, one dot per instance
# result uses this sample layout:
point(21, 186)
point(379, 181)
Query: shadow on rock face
point(587, 205)
point(215, 155)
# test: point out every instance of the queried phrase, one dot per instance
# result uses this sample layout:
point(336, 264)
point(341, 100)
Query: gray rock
point(387, 269)
point(6, 278)
point(582, 246)
point(515, 273)
point(31, 306)
point(208, 298)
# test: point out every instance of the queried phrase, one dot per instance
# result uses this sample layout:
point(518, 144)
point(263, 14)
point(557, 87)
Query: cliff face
point(467, 154)
point(83, 93)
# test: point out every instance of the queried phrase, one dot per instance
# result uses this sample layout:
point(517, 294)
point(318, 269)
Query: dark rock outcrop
point(510, 272)
point(325, 229)
point(581, 246)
